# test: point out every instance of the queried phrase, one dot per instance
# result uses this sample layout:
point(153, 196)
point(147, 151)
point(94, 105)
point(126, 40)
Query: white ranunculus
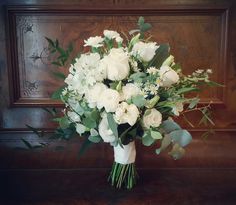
point(179, 107)
point(130, 90)
point(109, 99)
point(168, 76)
point(126, 113)
point(93, 94)
point(104, 130)
point(73, 116)
point(145, 51)
point(111, 34)
point(116, 64)
point(94, 41)
point(152, 118)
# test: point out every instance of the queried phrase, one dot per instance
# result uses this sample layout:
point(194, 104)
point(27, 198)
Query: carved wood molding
point(17, 83)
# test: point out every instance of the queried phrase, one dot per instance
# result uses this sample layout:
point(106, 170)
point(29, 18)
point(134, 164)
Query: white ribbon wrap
point(125, 155)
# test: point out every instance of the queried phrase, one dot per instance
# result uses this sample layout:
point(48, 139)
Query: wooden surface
point(167, 187)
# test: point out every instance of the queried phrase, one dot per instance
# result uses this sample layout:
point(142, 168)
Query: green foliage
point(206, 118)
point(84, 147)
point(177, 151)
point(147, 139)
point(57, 94)
point(143, 26)
point(138, 77)
point(162, 53)
point(166, 141)
point(169, 126)
point(182, 137)
point(193, 103)
point(138, 100)
point(64, 54)
point(112, 124)
point(150, 137)
point(187, 90)
point(59, 75)
point(94, 139)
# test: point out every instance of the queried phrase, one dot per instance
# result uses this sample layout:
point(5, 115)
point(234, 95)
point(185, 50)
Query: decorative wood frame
point(13, 61)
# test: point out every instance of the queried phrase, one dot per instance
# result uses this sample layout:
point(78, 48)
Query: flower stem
point(123, 175)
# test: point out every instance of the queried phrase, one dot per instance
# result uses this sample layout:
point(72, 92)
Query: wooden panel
point(197, 32)
point(198, 38)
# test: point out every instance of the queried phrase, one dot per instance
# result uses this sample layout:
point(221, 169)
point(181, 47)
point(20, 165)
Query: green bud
point(151, 103)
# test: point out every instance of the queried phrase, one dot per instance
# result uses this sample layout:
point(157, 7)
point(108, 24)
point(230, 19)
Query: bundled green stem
point(123, 175)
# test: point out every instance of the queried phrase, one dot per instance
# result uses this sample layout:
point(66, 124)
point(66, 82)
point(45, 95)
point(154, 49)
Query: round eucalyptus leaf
point(182, 137)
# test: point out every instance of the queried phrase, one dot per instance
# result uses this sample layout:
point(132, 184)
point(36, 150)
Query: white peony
point(168, 76)
point(93, 94)
point(104, 130)
point(130, 90)
point(94, 41)
point(111, 34)
point(152, 118)
point(116, 64)
point(109, 99)
point(126, 113)
point(145, 51)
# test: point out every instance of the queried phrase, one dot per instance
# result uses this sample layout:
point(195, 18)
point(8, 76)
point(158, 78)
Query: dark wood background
point(201, 35)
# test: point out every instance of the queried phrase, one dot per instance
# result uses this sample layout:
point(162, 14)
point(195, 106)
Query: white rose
point(111, 34)
point(152, 119)
point(116, 64)
point(126, 113)
point(73, 116)
point(94, 41)
point(104, 130)
point(168, 76)
point(130, 90)
point(145, 51)
point(93, 94)
point(109, 99)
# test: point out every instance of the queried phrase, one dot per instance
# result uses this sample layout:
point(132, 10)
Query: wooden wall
point(201, 35)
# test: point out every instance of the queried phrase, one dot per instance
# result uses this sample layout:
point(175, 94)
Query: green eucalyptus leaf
point(177, 151)
point(80, 128)
point(187, 90)
point(147, 139)
point(94, 139)
point(138, 100)
point(86, 144)
point(138, 77)
point(89, 122)
point(169, 126)
point(112, 124)
point(182, 137)
point(156, 135)
point(93, 132)
point(166, 141)
point(145, 27)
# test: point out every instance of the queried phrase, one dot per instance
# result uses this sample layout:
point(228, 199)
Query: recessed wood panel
point(198, 40)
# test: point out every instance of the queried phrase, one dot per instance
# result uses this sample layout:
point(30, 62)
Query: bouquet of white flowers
point(123, 90)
